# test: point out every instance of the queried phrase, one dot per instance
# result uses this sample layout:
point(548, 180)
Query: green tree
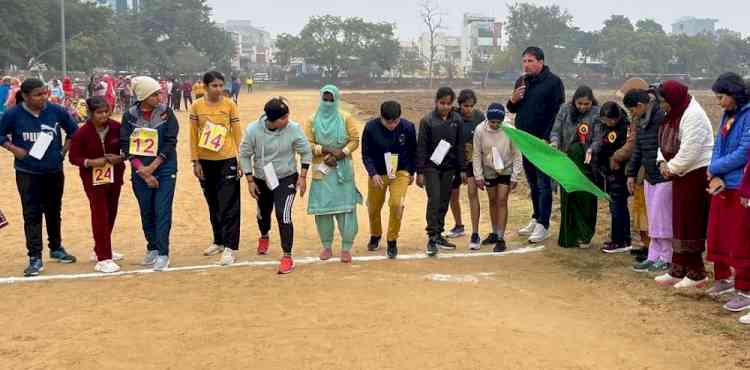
point(288, 47)
point(338, 45)
point(547, 27)
point(649, 26)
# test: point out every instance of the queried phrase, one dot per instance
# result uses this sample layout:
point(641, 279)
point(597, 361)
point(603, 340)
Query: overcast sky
point(291, 15)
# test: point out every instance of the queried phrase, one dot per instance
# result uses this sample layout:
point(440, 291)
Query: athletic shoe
point(263, 245)
point(325, 254)
point(475, 244)
point(346, 257)
point(432, 249)
point(286, 265)
point(492, 238)
point(444, 244)
point(739, 303)
point(457, 231)
point(666, 280)
point(162, 263)
point(687, 283)
point(584, 245)
point(745, 319)
point(528, 229)
point(115, 257)
point(721, 287)
point(392, 251)
point(213, 250)
point(644, 266)
point(35, 267)
point(228, 257)
point(612, 247)
point(150, 258)
point(539, 235)
point(106, 266)
point(374, 244)
point(660, 267)
point(500, 246)
point(60, 255)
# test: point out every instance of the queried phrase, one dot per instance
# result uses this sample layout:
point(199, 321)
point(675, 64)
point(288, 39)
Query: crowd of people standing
point(690, 188)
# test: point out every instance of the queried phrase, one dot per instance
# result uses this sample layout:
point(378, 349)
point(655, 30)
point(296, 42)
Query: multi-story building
point(692, 26)
point(481, 36)
point(255, 44)
point(120, 5)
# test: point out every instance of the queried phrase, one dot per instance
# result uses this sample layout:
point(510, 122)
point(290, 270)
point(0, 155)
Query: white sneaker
point(687, 283)
point(667, 280)
point(213, 249)
point(162, 263)
point(539, 235)
point(745, 319)
point(115, 257)
point(106, 266)
point(529, 229)
point(474, 246)
point(227, 257)
point(150, 258)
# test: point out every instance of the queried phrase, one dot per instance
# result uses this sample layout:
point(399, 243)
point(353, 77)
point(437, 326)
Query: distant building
point(120, 5)
point(481, 36)
point(692, 26)
point(255, 44)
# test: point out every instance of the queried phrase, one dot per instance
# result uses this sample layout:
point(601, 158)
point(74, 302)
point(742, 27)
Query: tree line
point(163, 36)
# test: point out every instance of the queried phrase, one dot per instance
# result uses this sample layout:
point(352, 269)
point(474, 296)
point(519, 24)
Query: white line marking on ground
point(297, 261)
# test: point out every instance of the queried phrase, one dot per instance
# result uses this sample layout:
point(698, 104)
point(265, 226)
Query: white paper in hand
point(271, 179)
point(440, 152)
point(391, 164)
point(497, 160)
point(41, 145)
point(323, 168)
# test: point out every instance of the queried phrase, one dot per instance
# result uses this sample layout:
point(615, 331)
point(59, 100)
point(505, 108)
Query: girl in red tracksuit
point(95, 149)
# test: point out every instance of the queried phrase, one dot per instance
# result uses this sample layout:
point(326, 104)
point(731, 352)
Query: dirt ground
point(559, 309)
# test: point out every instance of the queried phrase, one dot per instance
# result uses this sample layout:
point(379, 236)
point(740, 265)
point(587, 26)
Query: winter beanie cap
point(145, 86)
point(496, 112)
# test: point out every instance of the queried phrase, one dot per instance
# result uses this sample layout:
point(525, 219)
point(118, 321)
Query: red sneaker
point(263, 246)
point(287, 265)
point(346, 257)
point(325, 254)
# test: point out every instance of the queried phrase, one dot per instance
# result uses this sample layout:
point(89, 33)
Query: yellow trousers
point(376, 198)
point(639, 215)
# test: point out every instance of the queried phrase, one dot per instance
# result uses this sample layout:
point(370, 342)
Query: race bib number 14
point(213, 137)
point(144, 142)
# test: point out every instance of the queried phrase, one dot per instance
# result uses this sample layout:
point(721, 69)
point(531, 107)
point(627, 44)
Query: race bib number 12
point(213, 137)
point(144, 142)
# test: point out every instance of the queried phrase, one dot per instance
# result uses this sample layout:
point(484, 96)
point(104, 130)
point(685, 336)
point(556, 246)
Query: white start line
point(297, 261)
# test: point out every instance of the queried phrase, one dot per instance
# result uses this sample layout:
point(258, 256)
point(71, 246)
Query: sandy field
point(554, 309)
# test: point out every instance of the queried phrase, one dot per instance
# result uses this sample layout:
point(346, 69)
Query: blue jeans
point(618, 208)
point(156, 210)
point(541, 193)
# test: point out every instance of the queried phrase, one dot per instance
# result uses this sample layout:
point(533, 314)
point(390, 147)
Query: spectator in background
point(187, 93)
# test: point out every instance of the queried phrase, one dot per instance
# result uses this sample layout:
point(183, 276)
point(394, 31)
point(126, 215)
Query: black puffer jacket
point(647, 145)
point(536, 112)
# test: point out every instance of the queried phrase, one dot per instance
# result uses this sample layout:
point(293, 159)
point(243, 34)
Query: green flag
point(552, 162)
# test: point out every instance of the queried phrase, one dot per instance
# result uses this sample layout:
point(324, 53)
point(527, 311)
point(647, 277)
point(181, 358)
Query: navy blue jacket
point(24, 129)
point(165, 123)
point(378, 140)
point(537, 111)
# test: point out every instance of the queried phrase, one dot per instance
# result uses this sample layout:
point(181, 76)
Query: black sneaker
point(491, 239)
point(374, 244)
point(444, 244)
point(60, 255)
point(432, 249)
point(392, 251)
point(500, 246)
point(35, 267)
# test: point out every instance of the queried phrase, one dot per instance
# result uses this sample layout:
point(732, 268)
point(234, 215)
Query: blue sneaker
point(60, 255)
point(35, 267)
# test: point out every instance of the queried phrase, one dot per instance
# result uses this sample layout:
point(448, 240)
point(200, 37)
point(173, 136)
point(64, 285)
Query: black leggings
point(281, 198)
point(221, 187)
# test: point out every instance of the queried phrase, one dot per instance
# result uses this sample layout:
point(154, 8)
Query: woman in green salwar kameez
point(570, 135)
